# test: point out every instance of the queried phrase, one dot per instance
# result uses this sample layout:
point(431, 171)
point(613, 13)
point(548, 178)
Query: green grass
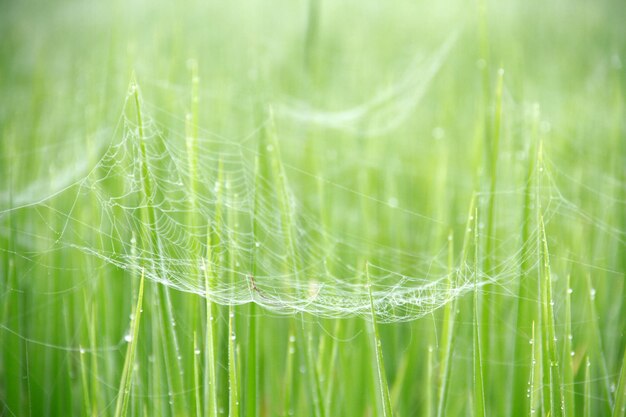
point(123, 396)
point(312, 208)
point(383, 388)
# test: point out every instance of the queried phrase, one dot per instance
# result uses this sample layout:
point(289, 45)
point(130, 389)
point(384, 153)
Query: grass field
point(313, 208)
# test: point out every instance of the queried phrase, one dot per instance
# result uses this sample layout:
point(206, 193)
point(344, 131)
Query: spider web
point(218, 217)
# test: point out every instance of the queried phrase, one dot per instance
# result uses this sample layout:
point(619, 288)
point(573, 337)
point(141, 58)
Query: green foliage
point(220, 173)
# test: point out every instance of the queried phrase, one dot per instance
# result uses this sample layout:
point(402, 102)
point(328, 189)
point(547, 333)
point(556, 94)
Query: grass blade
point(587, 398)
point(448, 335)
point(568, 356)
point(196, 376)
point(233, 372)
point(450, 311)
point(288, 377)
point(479, 393)
point(210, 384)
point(619, 409)
point(313, 373)
point(233, 386)
point(123, 395)
point(533, 398)
point(598, 349)
point(380, 364)
point(527, 298)
point(551, 368)
point(252, 366)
